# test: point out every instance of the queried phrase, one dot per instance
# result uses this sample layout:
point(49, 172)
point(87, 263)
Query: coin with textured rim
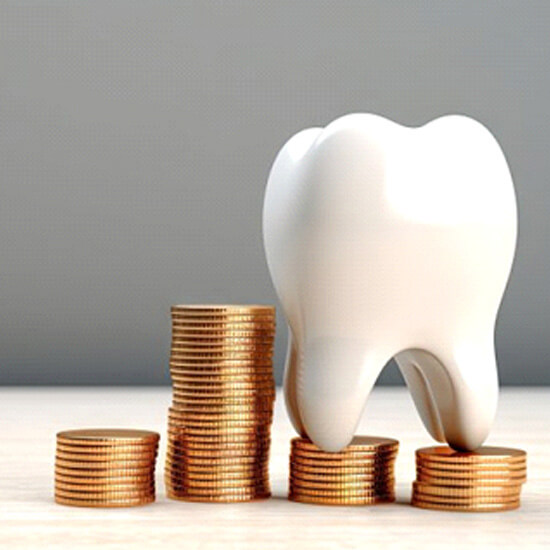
point(309, 499)
point(103, 472)
point(496, 507)
point(438, 465)
point(106, 503)
point(98, 449)
point(361, 468)
point(474, 476)
point(361, 486)
point(473, 492)
point(480, 482)
point(106, 480)
point(106, 457)
point(465, 501)
point(103, 466)
point(341, 479)
point(260, 495)
point(483, 454)
point(359, 444)
point(335, 464)
point(107, 436)
point(104, 487)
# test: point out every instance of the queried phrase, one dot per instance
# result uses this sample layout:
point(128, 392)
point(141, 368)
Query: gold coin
point(106, 449)
point(223, 491)
point(217, 461)
point(256, 364)
point(223, 308)
point(483, 454)
point(105, 454)
point(222, 442)
point(216, 452)
point(104, 472)
point(243, 403)
point(105, 495)
point(473, 492)
point(233, 386)
point(359, 444)
point(340, 501)
point(209, 418)
point(493, 507)
point(465, 501)
point(361, 468)
point(203, 325)
point(221, 346)
point(223, 340)
point(104, 487)
point(474, 476)
point(217, 484)
point(236, 423)
point(342, 459)
point(258, 495)
point(107, 436)
point(201, 377)
point(105, 503)
point(217, 431)
point(230, 467)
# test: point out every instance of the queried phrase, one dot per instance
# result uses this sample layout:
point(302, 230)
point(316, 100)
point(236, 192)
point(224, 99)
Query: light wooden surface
point(30, 519)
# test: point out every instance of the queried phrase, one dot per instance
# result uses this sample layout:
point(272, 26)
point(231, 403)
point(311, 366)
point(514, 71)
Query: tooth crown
point(388, 241)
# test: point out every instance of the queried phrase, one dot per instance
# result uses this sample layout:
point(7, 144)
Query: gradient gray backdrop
point(136, 138)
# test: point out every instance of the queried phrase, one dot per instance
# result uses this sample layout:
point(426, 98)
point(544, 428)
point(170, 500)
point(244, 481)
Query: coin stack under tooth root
point(361, 474)
point(105, 468)
point(486, 480)
point(219, 425)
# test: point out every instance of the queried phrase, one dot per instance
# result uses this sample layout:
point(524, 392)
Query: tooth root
point(290, 389)
point(463, 382)
point(421, 394)
point(334, 381)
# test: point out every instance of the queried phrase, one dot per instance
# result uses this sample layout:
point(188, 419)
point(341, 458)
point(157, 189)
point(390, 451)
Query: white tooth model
point(386, 241)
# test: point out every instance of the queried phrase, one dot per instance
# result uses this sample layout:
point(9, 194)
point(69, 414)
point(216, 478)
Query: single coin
point(224, 308)
point(483, 454)
point(106, 495)
point(181, 328)
point(208, 418)
point(220, 452)
point(471, 492)
point(105, 487)
point(474, 476)
point(359, 444)
point(466, 500)
point(107, 436)
point(494, 507)
point(201, 378)
point(227, 364)
point(237, 373)
point(222, 498)
point(221, 346)
point(105, 503)
point(264, 401)
point(224, 491)
point(94, 453)
point(201, 469)
point(261, 408)
point(105, 480)
point(267, 326)
point(226, 339)
point(222, 442)
point(340, 501)
point(363, 491)
point(249, 424)
point(217, 431)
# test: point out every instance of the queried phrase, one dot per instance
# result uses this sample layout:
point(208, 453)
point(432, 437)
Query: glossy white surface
point(30, 519)
point(385, 241)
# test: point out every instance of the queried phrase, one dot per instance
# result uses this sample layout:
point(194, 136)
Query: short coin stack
point(486, 480)
point(219, 425)
point(105, 468)
point(363, 473)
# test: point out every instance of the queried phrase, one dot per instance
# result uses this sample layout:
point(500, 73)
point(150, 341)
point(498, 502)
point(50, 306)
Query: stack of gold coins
point(363, 473)
point(486, 480)
point(105, 468)
point(219, 425)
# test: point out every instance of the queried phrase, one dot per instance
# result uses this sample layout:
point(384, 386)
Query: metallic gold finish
point(361, 474)
point(221, 365)
point(485, 480)
point(105, 468)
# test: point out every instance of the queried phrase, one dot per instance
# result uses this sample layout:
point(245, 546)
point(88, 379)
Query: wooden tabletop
point(29, 518)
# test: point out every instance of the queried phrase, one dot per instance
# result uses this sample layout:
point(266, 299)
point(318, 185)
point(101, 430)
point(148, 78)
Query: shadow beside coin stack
point(105, 468)
point(219, 425)
point(361, 474)
point(486, 480)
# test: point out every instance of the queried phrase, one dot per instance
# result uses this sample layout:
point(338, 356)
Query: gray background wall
point(136, 138)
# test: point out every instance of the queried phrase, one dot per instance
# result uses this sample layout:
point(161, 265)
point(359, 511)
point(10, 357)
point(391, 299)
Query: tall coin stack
point(363, 473)
point(105, 468)
point(486, 480)
point(219, 425)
